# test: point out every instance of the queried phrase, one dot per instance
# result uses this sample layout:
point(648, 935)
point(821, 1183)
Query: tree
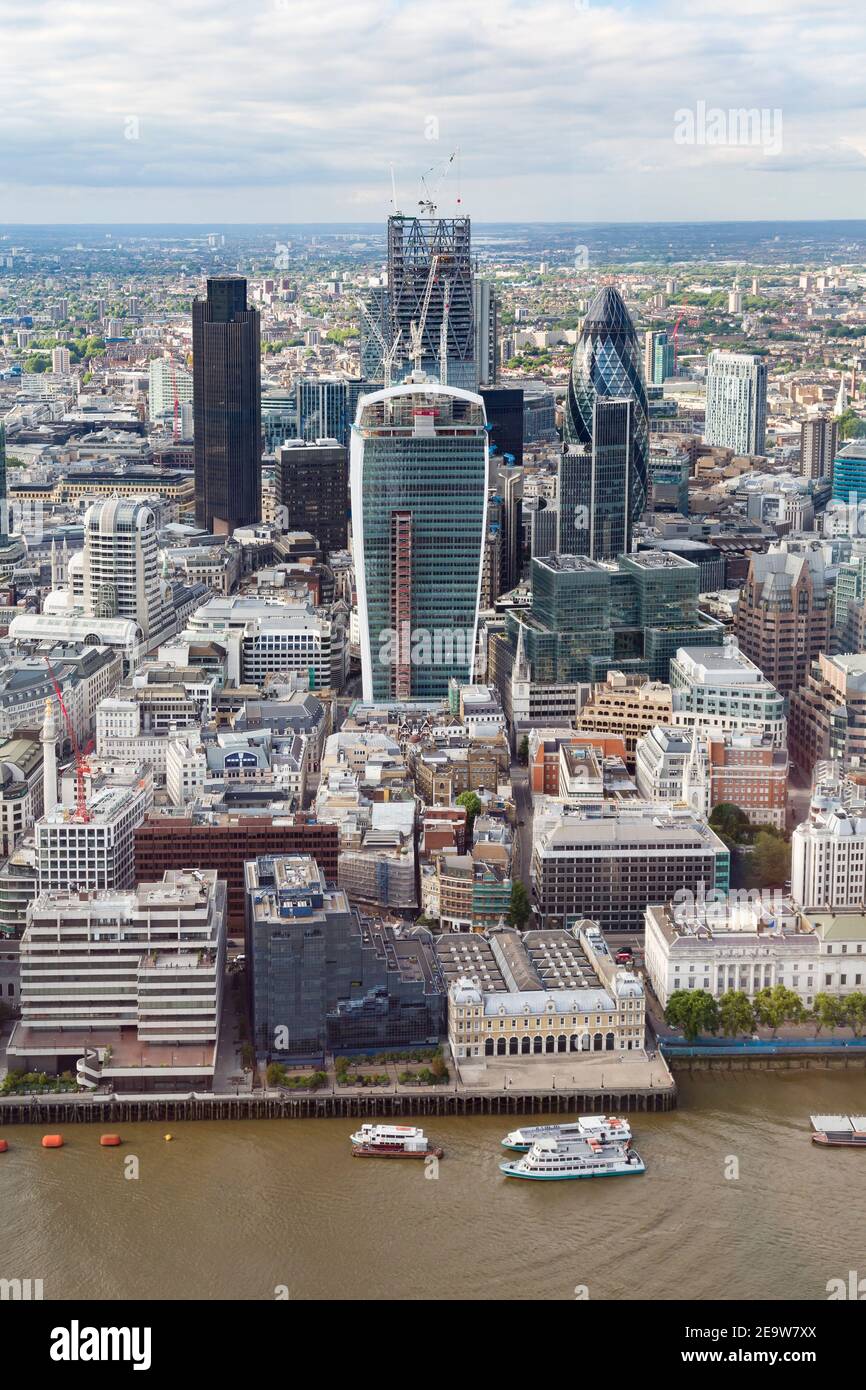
point(828, 1012)
point(523, 750)
point(770, 862)
point(778, 1005)
point(473, 805)
point(854, 1007)
point(736, 1014)
point(520, 909)
point(850, 425)
point(694, 1011)
point(730, 823)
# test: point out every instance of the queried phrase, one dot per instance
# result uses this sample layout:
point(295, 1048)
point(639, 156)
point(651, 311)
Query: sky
point(562, 110)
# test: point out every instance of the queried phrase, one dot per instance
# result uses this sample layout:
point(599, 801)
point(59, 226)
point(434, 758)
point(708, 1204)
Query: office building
point(312, 490)
point(224, 840)
point(439, 247)
point(736, 415)
point(121, 567)
point(503, 406)
point(609, 867)
point(314, 967)
point(668, 478)
point(784, 614)
point(720, 687)
point(419, 480)
point(485, 310)
point(827, 715)
point(94, 851)
point(226, 342)
point(124, 988)
point(828, 855)
point(624, 706)
point(849, 477)
point(606, 434)
point(818, 446)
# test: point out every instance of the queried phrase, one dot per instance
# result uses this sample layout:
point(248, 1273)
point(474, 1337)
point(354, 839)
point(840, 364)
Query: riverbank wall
point(114, 1109)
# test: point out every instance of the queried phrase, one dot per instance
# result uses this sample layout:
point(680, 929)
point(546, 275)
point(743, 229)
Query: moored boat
point(839, 1131)
point(606, 1130)
point(392, 1141)
point(557, 1160)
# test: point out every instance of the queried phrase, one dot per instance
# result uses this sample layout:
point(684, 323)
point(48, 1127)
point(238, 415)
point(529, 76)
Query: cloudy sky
point(293, 110)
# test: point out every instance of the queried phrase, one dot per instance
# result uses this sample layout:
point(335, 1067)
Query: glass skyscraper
point(413, 242)
point(419, 479)
point(606, 431)
point(226, 344)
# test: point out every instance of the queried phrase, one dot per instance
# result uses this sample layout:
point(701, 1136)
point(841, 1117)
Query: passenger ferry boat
point(392, 1141)
point(552, 1160)
point(608, 1131)
point(840, 1131)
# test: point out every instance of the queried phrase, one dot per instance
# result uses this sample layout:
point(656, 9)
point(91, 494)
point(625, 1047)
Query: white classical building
point(728, 945)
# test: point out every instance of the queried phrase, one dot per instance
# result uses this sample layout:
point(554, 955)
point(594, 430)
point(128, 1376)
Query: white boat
point(607, 1130)
point(557, 1160)
point(840, 1131)
point(392, 1141)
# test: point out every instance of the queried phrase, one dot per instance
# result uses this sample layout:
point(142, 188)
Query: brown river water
point(281, 1208)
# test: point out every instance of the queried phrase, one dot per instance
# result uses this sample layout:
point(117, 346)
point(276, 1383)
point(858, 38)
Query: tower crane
point(443, 332)
point(391, 354)
point(417, 327)
point(81, 767)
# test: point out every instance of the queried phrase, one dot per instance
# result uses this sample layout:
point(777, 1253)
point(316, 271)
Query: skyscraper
point(312, 487)
point(121, 565)
point(658, 361)
point(606, 432)
point(413, 244)
point(818, 443)
point(736, 402)
point(419, 478)
point(486, 325)
point(227, 402)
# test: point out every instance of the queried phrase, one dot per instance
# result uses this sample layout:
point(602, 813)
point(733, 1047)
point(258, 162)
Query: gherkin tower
point(604, 467)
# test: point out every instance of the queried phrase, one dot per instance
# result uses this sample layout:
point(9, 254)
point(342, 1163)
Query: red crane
point(81, 768)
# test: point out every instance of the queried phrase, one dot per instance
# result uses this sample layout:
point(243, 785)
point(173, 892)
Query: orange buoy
point(110, 1141)
point(52, 1141)
point(4, 1145)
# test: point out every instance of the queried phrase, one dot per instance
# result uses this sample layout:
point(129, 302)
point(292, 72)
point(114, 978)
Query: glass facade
point(606, 368)
point(849, 474)
point(419, 490)
point(226, 341)
point(587, 616)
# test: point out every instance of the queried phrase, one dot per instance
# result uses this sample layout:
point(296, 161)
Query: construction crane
point(81, 767)
point(417, 327)
point(391, 354)
point(443, 332)
point(429, 203)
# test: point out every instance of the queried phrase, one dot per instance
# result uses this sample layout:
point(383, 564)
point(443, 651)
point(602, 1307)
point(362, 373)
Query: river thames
point(281, 1209)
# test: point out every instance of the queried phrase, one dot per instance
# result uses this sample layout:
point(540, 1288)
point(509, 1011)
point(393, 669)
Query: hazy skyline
point(284, 111)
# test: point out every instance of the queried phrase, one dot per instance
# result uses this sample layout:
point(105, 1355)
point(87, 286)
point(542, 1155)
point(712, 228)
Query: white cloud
point(295, 110)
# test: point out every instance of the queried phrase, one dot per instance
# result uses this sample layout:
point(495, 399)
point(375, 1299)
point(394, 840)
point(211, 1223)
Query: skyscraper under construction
point(429, 262)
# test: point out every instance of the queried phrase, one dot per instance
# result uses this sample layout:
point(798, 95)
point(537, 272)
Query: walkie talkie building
point(607, 450)
point(419, 476)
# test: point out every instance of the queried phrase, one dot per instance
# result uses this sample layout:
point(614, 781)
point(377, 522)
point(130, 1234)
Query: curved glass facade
point(606, 367)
